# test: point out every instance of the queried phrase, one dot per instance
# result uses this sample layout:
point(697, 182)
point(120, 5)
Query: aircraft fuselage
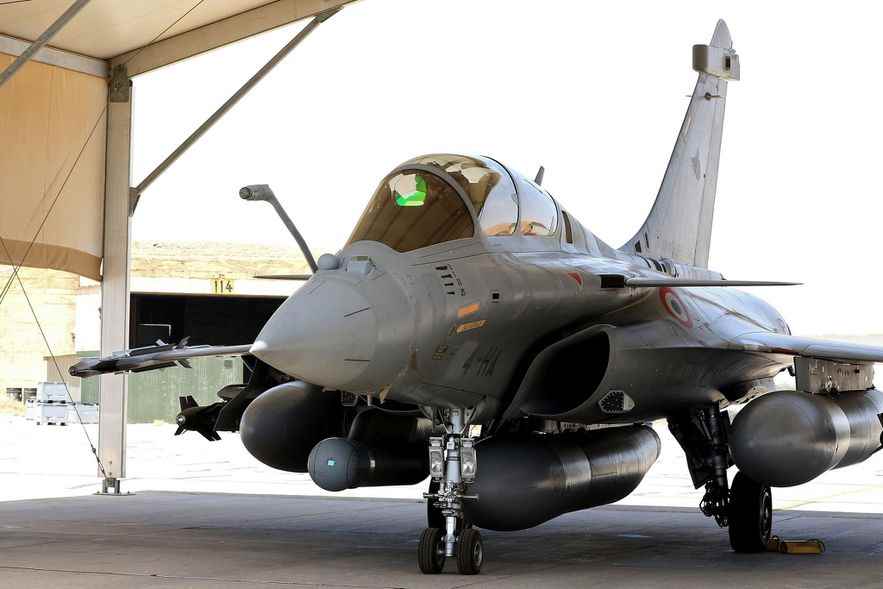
point(462, 323)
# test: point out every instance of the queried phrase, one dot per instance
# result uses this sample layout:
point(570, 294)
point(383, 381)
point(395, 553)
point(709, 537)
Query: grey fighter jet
point(474, 332)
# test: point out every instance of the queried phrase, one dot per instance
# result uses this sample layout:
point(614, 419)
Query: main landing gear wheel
point(751, 514)
point(431, 551)
point(470, 552)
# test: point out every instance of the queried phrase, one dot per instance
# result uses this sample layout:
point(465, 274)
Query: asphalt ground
point(209, 515)
point(168, 539)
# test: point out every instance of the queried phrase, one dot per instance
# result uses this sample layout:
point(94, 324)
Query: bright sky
point(594, 91)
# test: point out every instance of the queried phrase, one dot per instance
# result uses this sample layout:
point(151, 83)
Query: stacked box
point(82, 413)
point(51, 392)
point(46, 413)
point(50, 405)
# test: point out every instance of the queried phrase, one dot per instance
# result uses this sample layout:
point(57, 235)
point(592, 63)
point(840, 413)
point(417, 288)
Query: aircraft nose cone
point(324, 334)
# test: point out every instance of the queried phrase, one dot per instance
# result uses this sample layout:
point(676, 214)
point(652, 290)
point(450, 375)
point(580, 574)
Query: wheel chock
point(813, 546)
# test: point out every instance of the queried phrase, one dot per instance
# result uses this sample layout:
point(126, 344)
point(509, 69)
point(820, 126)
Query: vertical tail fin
point(679, 224)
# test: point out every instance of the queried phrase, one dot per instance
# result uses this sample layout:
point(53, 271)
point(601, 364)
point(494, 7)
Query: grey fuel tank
point(788, 438)
point(522, 483)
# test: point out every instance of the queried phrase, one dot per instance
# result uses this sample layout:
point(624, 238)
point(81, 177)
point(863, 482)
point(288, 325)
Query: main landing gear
point(746, 508)
point(452, 466)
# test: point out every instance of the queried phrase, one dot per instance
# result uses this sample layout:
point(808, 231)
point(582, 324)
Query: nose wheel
point(431, 551)
point(470, 552)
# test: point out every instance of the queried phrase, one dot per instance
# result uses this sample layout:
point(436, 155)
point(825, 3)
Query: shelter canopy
point(49, 108)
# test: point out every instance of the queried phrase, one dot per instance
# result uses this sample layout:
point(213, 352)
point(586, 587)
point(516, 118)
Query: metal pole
point(209, 122)
point(41, 40)
point(113, 388)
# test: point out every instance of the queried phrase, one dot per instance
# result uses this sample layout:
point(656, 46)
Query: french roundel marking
point(674, 306)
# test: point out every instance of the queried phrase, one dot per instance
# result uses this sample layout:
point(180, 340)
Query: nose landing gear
point(452, 465)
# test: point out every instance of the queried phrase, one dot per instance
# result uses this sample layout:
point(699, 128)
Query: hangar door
point(206, 319)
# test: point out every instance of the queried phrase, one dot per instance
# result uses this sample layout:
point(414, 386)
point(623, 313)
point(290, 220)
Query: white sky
point(594, 91)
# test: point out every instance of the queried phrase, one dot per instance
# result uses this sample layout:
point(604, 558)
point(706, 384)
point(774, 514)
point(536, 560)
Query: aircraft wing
point(778, 343)
point(152, 358)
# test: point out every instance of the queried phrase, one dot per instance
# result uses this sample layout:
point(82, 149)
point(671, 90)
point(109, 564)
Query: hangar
point(69, 71)
point(204, 290)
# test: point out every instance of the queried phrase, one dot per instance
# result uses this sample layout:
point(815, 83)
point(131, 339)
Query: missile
point(198, 418)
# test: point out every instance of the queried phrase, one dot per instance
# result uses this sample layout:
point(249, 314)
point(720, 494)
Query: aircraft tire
point(470, 552)
point(751, 515)
point(430, 551)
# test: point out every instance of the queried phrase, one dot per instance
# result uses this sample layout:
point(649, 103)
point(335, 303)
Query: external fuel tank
point(788, 438)
point(523, 482)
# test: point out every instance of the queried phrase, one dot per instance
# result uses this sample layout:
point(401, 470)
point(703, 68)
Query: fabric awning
point(46, 114)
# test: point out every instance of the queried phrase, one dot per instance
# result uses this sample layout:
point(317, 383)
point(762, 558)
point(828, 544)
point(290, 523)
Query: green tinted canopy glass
point(486, 183)
point(412, 209)
point(409, 190)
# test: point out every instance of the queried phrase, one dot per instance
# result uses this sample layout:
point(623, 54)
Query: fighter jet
point(473, 331)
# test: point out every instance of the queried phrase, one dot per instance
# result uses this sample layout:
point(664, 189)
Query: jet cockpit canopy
point(439, 198)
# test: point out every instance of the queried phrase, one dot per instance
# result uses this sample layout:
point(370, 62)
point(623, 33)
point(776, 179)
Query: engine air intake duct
point(522, 483)
point(788, 438)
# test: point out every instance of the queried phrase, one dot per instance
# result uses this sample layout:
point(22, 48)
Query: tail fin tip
point(679, 224)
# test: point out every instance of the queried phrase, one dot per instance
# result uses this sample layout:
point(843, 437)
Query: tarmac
point(199, 540)
point(209, 515)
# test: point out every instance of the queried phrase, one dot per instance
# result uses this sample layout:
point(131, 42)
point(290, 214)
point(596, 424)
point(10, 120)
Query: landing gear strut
point(716, 501)
point(452, 466)
point(746, 507)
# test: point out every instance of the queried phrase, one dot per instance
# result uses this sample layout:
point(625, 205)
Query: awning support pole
point(41, 40)
point(113, 389)
point(135, 193)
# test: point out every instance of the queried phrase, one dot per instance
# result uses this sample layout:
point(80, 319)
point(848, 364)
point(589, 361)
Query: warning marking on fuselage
point(471, 325)
point(673, 305)
point(468, 310)
point(577, 277)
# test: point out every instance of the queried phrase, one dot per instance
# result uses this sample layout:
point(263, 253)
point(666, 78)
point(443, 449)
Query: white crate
point(51, 392)
point(88, 413)
point(46, 413)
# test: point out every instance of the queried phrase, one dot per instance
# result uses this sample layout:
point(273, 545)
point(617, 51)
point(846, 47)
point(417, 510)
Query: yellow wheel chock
point(813, 546)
